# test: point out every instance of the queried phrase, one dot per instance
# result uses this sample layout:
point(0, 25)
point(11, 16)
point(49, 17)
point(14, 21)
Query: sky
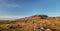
point(29, 7)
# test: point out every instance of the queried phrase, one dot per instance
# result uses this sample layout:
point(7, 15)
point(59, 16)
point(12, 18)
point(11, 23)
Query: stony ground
point(33, 23)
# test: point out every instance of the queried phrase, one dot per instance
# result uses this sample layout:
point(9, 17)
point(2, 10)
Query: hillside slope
point(33, 23)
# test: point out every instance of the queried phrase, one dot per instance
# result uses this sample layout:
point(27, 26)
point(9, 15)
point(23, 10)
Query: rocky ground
point(32, 23)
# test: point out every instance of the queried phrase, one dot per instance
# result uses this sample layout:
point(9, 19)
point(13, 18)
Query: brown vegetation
point(33, 23)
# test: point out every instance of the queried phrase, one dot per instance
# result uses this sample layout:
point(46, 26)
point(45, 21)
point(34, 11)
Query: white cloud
point(4, 4)
point(5, 7)
point(10, 17)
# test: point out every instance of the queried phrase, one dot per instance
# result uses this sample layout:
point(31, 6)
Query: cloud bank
point(10, 17)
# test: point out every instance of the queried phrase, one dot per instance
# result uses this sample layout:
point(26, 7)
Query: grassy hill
point(32, 23)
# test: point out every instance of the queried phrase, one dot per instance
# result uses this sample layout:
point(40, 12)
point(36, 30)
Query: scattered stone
point(47, 30)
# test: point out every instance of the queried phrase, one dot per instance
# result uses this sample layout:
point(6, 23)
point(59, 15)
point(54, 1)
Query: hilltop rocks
point(41, 16)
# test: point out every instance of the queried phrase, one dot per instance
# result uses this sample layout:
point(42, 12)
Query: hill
point(32, 23)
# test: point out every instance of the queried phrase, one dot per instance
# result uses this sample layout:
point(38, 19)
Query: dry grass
point(31, 23)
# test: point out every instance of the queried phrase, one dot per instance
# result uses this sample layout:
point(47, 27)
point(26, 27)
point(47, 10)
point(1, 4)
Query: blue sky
point(29, 7)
